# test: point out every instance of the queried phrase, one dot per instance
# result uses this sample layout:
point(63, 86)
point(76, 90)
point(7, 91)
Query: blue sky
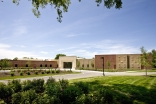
point(85, 30)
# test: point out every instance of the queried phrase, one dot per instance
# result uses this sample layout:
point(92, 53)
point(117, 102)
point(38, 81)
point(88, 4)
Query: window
point(40, 65)
point(88, 65)
point(26, 65)
point(50, 65)
point(82, 65)
point(16, 65)
point(45, 65)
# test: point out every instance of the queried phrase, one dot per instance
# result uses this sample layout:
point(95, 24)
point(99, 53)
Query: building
point(119, 61)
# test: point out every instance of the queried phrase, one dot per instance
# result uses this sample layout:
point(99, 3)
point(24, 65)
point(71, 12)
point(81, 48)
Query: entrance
point(67, 64)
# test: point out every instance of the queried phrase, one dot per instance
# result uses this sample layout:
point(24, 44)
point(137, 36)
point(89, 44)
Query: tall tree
point(16, 58)
point(28, 63)
point(58, 55)
point(92, 64)
point(62, 5)
point(145, 58)
point(108, 64)
point(4, 63)
point(78, 64)
point(153, 58)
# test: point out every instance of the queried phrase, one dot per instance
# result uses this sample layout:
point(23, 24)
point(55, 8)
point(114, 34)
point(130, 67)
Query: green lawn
point(132, 89)
point(122, 70)
point(39, 75)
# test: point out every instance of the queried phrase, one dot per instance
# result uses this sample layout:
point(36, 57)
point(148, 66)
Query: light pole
point(103, 65)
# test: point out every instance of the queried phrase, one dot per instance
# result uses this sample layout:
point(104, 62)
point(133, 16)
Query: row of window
point(16, 65)
point(87, 65)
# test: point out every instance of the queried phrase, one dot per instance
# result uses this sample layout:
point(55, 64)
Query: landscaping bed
point(23, 73)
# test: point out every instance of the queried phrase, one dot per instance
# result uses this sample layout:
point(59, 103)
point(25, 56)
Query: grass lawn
point(122, 70)
point(39, 75)
point(126, 89)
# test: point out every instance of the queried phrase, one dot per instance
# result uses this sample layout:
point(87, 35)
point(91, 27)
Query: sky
point(85, 31)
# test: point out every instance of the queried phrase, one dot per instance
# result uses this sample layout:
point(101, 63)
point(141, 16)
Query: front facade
point(33, 64)
point(119, 61)
point(116, 61)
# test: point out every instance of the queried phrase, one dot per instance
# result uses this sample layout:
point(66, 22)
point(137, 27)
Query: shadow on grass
point(127, 93)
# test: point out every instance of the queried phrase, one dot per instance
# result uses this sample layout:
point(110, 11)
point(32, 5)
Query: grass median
point(39, 75)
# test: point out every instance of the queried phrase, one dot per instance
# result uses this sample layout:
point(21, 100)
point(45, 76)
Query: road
point(85, 74)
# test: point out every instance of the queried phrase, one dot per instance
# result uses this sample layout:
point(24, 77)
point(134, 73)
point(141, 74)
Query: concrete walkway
point(85, 74)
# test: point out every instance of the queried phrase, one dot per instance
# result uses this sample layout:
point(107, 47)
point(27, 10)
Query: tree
point(16, 58)
point(145, 58)
point(58, 55)
point(5, 63)
point(28, 63)
point(108, 64)
point(92, 64)
point(78, 64)
point(153, 58)
point(62, 5)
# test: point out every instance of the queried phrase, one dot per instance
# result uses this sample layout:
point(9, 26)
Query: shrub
point(36, 72)
point(27, 97)
point(57, 71)
point(21, 73)
point(53, 71)
point(53, 89)
point(64, 83)
point(5, 93)
point(15, 85)
point(35, 84)
point(28, 73)
point(12, 74)
point(48, 71)
point(83, 86)
point(42, 72)
point(106, 96)
point(50, 80)
point(69, 94)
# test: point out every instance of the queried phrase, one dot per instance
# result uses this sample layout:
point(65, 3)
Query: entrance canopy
point(63, 59)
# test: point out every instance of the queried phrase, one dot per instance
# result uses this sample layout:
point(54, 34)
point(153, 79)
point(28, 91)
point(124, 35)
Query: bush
point(64, 83)
point(12, 74)
point(57, 71)
point(26, 97)
point(21, 73)
point(5, 93)
point(53, 71)
point(28, 73)
point(35, 84)
point(83, 86)
point(42, 72)
point(68, 95)
point(15, 85)
point(50, 80)
point(36, 72)
point(48, 71)
point(106, 96)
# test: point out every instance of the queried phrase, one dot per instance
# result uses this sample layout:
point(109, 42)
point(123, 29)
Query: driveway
point(85, 74)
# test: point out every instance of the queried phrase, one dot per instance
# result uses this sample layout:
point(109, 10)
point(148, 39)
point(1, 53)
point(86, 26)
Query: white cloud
point(6, 53)
point(74, 34)
point(89, 50)
point(44, 46)
point(4, 45)
point(43, 52)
